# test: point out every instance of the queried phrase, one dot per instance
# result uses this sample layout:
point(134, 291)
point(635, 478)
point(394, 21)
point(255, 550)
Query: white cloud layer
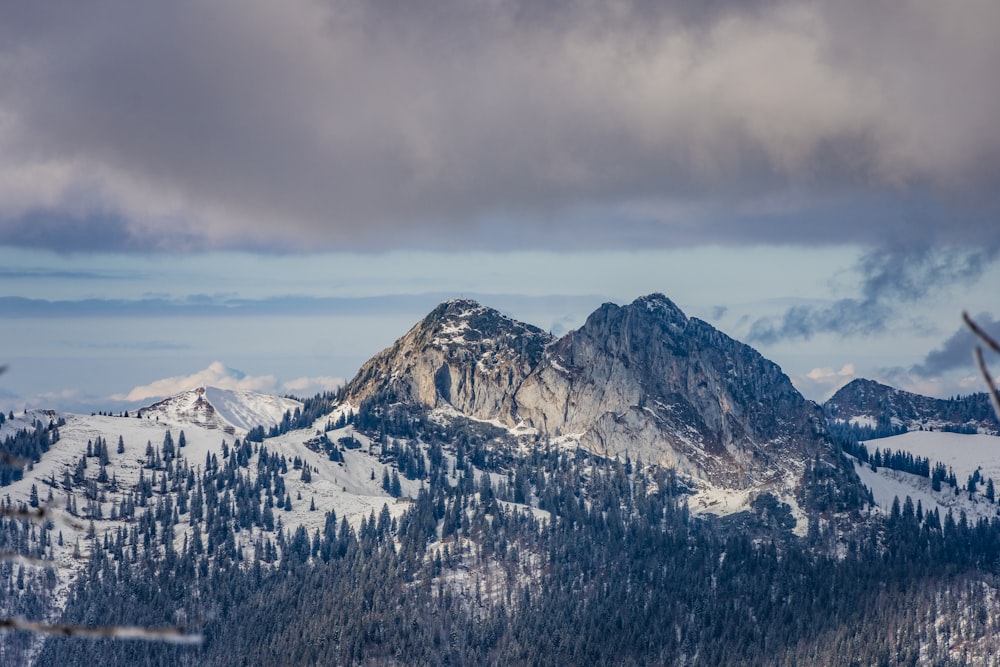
point(822, 383)
point(219, 375)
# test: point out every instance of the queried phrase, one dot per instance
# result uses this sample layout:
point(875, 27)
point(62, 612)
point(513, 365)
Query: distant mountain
point(221, 409)
point(642, 380)
point(878, 410)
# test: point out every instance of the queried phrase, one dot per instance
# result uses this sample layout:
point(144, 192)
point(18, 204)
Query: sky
point(263, 194)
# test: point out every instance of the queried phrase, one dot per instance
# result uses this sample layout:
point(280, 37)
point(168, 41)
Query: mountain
point(641, 380)
point(469, 499)
point(874, 409)
point(221, 409)
point(462, 354)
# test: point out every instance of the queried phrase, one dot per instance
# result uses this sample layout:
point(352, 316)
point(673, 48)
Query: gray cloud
point(845, 317)
point(303, 125)
point(956, 351)
point(890, 276)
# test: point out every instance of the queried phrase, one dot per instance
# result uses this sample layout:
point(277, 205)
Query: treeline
point(312, 409)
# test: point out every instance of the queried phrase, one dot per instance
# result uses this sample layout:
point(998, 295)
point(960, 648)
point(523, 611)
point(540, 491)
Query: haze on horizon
point(284, 188)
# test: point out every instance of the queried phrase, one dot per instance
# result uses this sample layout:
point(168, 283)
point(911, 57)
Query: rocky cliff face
point(642, 379)
point(645, 379)
point(462, 354)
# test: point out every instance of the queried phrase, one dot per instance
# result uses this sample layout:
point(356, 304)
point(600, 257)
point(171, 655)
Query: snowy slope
point(246, 409)
point(351, 488)
point(221, 409)
point(964, 454)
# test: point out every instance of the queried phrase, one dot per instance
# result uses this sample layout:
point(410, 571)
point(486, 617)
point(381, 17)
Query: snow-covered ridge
point(221, 409)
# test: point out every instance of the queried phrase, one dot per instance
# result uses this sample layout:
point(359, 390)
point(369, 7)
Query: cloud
point(956, 351)
point(346, 124)
point(940, 386)
point(216, 375)
point(821, 383)
point(310, 386)
point(219, 375)
point(845, 317)
point(890, 276)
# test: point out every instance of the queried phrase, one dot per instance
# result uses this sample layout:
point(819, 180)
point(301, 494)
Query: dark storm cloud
point(350, 124)
point(956, 351)
point(891, 277)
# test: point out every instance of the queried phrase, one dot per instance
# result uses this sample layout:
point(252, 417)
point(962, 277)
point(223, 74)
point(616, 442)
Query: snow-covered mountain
point(226, 410)
point(179, 487)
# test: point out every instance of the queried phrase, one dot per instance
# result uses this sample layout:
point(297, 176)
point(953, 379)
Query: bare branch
point(40, 515)
point(14, 557)
point(172, 635)
point(37, 514)
point(985, 337)
point(13, 461)
point(990, 384)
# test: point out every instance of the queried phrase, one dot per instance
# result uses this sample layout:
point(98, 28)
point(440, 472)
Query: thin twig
point(13, 461)
point(172, 635)
point(990, 384)
point(37, 514)
point(40, 515)
point(14, 557)
point(985, 337)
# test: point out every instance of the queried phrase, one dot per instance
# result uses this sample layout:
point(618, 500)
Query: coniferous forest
point(608, 568)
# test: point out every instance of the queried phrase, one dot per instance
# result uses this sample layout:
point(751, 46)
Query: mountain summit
point(227, 410)
point(462, 354)
point(642, 380)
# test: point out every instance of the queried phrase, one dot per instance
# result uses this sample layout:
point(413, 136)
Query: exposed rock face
point(883, 408)
point(646, 379)
point(641, 379)
point(462, 354)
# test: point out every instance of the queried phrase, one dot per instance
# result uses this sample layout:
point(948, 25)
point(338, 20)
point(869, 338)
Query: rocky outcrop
point(462, 354)
point(641, 379)
point(647, 380)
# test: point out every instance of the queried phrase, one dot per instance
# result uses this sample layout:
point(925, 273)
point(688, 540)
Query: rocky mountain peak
point(459, 322)
point(645, 379)
point(641, 379)
point(462, 354)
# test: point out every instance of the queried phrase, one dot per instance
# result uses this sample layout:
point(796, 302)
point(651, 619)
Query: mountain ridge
point(880, 409)
point(231, 411)
point(641, 379)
